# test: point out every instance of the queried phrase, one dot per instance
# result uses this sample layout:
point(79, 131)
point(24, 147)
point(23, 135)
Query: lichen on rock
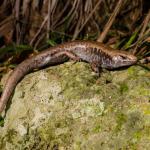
point(70, 107)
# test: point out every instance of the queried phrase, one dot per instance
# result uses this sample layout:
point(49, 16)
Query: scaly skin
point(97, 54)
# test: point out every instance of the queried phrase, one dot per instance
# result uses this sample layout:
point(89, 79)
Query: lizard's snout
point(134, 59)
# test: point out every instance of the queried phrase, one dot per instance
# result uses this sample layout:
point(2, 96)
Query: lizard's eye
point(119, 58)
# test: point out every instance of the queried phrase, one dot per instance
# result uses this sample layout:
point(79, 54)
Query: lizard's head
point(123, 59)
point(118, 59)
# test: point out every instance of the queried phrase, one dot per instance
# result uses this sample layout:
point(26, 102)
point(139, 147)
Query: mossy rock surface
point(70, 107)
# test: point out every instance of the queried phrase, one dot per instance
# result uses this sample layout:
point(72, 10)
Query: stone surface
point(70, 107)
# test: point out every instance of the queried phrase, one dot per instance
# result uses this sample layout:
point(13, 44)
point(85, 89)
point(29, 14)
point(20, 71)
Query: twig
point(61, 33)
point(6, 25)
point(49, 19)
point(26, 12)
point(69, 14)
point(88, 18)
point(78, 23)
point(8, 19)
point(38, 41)
point(39, 31)
point(61, 13)
point(110, 21)
point(3, 68)
point(145, 23)
point(142, 35)
point(53, 8)
point(17, 17)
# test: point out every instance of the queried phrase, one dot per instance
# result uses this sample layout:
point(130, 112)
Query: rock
point(70, 107)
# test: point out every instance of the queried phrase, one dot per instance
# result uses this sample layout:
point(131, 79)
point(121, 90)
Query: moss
point(132, 71)
point(1, 121)
point(10, 137)
point(79, 110)
point(123, 88)
point(146, 109)
point(144, 92)
point(79, 84)
point(56, 130)
point(97, 128)
point(121, 119)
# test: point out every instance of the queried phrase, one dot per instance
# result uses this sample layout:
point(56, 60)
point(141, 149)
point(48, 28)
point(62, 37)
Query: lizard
point(96, 54)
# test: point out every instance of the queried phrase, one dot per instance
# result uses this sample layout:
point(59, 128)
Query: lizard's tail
point(19, 72)
point(39, 61)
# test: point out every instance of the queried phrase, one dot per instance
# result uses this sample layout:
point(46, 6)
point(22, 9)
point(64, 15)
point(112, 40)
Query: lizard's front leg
point(96, 68)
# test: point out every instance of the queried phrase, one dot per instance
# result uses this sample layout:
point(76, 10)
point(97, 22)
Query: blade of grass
point(132, 38)
point(51, 42)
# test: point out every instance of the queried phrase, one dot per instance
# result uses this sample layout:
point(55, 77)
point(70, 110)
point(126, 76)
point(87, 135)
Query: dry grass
point(122, 23)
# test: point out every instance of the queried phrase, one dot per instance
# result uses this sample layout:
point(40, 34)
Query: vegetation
point(35, 25)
